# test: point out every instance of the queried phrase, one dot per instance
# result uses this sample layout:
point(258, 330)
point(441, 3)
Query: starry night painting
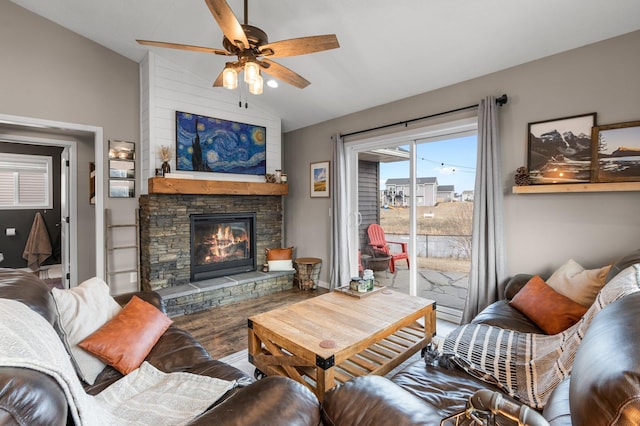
point(206, 144)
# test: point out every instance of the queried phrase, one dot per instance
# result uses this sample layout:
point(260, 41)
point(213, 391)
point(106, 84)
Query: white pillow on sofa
point(81, 311)
point(578, 284)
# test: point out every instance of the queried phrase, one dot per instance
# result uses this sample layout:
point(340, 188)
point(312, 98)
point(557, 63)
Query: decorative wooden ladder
point(111, 247)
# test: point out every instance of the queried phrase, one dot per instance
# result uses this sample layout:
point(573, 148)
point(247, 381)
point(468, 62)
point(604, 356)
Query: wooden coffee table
point(332, 338)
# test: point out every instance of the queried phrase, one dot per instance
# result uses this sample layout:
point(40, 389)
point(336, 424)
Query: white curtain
point(340, 265)
point(487, 258)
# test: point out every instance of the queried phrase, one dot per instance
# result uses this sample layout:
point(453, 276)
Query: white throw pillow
point(81, 311)
point(578, 284)
point(280, 265)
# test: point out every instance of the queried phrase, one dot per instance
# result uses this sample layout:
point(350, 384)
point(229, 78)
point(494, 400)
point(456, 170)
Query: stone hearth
point(165, 249)
point(201, 295)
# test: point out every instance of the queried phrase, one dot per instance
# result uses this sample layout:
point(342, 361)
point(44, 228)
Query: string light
point(457, 166)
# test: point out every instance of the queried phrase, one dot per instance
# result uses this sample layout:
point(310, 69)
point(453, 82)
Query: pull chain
point(246, 104)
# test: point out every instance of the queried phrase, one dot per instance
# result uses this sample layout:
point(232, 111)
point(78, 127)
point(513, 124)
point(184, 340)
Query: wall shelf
point(577, 187)
point(162, 185)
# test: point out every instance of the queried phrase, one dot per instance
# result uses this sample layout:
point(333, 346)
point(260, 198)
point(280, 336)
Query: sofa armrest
point(623, 263)
point(148, 296)
point(274, 400)
point(29, 397)
point(605, 378)
point(515, 284)
point(501, 314)
point(557, 410)
point(375, 400)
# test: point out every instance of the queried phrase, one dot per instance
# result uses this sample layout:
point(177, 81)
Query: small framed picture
point(560, 150)
point(122, 188)
point(122, 169)
point(122, 150)
point(616, 152)
point(320, 179)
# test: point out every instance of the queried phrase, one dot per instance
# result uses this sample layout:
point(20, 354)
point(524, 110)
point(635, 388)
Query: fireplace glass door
point(222, 244)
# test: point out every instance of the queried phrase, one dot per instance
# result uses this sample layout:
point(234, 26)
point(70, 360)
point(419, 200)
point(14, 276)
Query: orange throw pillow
point(280, 253)
point(126, 340)
point(548, 309)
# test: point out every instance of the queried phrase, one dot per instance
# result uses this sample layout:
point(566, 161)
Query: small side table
point(307, 272)
point(376, 264)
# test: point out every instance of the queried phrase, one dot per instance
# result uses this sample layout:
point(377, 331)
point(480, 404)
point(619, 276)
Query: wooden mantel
point(162, 185)
point(577, 187)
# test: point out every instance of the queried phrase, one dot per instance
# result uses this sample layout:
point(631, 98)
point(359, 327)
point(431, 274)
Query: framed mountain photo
point(617, 152)
point(560, 150)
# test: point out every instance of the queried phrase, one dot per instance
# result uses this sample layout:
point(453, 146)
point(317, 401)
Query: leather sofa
point(603, 388)
point(28, 397)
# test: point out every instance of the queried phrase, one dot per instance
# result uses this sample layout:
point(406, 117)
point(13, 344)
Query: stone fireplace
point(165, 246)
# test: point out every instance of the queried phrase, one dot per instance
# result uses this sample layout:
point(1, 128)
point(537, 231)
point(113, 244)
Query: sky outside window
point(451, 161)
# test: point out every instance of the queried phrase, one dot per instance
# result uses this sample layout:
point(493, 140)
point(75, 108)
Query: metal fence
point(441, 246)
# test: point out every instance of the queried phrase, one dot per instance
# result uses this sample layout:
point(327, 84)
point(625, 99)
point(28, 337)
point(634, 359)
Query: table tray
point(354, 293)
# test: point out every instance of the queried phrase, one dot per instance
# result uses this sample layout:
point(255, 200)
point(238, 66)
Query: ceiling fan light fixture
point(253, 50)
point(272, 83)
point(251, 72)
point(230, 78)
point(256, 86)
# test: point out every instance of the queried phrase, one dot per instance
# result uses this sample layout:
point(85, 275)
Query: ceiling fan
point(254, 52)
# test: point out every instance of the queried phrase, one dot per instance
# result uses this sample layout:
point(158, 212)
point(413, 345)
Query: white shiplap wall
point(166, 88)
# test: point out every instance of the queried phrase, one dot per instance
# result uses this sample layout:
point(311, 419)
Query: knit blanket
point(529, 366)
point(146, 396)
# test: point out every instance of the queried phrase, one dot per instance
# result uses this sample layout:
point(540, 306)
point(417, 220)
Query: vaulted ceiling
point(389, 50)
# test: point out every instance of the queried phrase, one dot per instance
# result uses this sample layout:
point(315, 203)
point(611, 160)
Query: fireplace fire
point(222, 244)
point(228, 242)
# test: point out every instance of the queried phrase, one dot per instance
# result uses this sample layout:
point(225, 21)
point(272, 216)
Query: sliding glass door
point(418, 187)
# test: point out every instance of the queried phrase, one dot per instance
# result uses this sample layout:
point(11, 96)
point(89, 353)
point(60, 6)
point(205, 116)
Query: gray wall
point(51, 73)
point(542, 230)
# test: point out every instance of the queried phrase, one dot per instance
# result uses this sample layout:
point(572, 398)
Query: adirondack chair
point(379, 244)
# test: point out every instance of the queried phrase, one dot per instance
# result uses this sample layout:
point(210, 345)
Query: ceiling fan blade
point(283, 73)
point(299, 46)
point(184, 47)
point(228, 23)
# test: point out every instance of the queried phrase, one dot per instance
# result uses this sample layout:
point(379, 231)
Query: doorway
point(60, 267)
point(30, 130)
point(425, 183)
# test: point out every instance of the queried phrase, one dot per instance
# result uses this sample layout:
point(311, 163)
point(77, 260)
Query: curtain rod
point(499, 101)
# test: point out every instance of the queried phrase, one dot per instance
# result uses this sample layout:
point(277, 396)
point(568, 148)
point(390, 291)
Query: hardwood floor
point(223, 330)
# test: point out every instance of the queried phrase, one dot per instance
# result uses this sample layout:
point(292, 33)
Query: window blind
point(25, 181)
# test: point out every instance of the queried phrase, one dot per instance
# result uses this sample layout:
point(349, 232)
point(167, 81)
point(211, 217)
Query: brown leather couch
point(603, 389)
point(28, 397)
